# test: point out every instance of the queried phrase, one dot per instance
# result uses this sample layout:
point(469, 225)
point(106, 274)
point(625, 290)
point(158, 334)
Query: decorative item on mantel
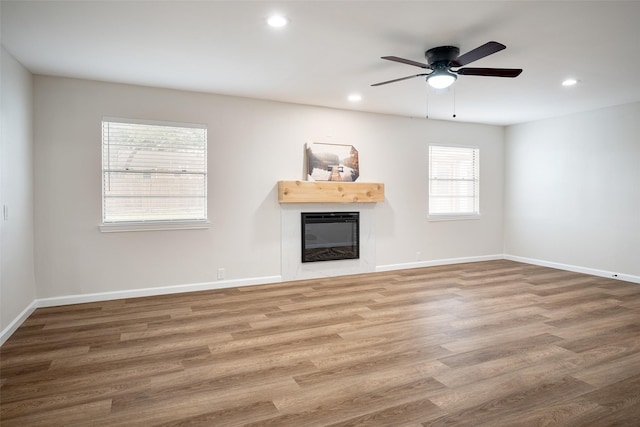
point(331, 172)
point(332, 162)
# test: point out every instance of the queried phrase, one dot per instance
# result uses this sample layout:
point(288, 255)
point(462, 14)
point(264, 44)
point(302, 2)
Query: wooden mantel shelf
point(330, 192)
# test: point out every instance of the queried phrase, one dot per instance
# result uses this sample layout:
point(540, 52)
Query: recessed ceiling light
point(569, 82)
point(277, 21)
point(355, 97)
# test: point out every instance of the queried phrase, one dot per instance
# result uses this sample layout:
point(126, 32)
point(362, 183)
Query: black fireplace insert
point(330, 236)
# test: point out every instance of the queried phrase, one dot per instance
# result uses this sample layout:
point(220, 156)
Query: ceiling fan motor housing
point(441, 54)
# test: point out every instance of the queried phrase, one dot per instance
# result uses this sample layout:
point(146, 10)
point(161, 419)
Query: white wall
point(252, 145)
point(572, 190)
point(402, 228)
point(570, 196)
point(17, 282)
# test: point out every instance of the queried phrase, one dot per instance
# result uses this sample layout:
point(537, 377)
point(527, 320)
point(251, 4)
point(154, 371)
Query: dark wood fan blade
point(478, 53)
point(397, 80)
point(491, 72)
point(405, 61)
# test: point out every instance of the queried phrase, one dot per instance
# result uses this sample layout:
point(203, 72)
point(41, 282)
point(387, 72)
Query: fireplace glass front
point(330, 236)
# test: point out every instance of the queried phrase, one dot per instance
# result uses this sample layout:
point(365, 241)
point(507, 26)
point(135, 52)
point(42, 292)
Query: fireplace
point(330, 236)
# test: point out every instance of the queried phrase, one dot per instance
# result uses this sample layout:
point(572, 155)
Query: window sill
point(153, 226)
point(450, 217)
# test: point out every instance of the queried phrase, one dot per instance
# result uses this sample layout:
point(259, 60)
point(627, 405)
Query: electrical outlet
point(5, 212)
point(418, 255)
point(220, 273)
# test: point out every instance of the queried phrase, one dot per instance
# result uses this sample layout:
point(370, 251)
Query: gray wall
point(573, 190)
point(568, 188)
point(252, 145)
point(17, 280)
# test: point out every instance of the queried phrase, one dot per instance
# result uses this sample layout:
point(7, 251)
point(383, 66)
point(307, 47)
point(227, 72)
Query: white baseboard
point(147, 292)
point(144, 292)
point(433, 263)
point(133, 293)
point(575, 268)
point(15, 324)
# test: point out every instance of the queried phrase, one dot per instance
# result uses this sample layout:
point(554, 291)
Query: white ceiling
point(333, 48)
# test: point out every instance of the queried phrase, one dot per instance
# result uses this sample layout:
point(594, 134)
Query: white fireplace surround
point(291, 229)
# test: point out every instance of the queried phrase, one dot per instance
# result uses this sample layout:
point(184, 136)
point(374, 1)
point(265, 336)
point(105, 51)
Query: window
point(454, 182)
point(153, 172)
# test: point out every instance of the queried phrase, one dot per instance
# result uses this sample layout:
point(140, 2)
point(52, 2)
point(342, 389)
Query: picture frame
point(332, 162)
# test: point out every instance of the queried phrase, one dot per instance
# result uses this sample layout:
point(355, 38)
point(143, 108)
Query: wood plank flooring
point(494, 343)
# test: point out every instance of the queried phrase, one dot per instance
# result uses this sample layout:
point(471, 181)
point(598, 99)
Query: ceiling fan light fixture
point(441, 79)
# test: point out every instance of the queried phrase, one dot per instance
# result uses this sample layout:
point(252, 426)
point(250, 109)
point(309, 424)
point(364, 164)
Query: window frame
point(454, 216)
point(152, 224)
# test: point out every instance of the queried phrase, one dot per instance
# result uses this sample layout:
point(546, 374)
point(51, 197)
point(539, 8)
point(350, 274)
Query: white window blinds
point(454, 181)
point(153, 171)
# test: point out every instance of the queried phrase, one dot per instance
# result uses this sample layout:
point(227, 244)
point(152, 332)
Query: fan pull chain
point(427, 101)
point(454, 102)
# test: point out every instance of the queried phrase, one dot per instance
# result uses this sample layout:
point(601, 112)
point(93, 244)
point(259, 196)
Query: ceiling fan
point(442, 59)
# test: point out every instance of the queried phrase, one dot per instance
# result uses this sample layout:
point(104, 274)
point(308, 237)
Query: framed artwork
point(332, 162)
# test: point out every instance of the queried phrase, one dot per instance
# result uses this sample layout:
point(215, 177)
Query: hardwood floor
point(485, 344)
